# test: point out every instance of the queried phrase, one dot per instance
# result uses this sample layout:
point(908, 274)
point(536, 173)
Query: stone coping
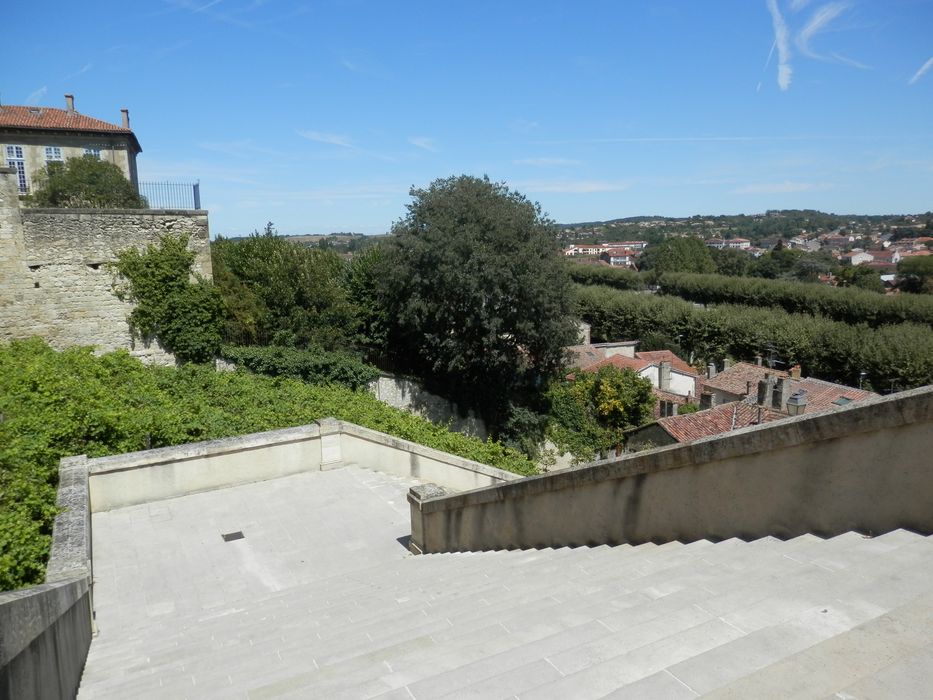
point(207, 448)
point(423, 451)
point(903, 408)
point(71, 533)
point(98, 212)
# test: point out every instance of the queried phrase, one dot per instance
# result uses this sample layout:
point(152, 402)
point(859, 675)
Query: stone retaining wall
point(54, 276)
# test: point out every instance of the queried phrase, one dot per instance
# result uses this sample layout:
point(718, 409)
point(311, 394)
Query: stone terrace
point(321, 599)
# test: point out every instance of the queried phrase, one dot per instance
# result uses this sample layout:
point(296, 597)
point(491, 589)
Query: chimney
point(726, 364)
point(69, 102)
point(125, 118)
point(664, 375)
point(781, 394)
point(758, 360)
point(797, 403)
point(765, 389)
point(711, 370)
point(795, 372)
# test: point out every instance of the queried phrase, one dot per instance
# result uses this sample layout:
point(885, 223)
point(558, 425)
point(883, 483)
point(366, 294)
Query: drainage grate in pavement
point(231, 536)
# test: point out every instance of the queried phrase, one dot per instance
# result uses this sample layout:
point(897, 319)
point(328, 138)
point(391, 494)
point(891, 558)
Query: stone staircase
point(847, 617)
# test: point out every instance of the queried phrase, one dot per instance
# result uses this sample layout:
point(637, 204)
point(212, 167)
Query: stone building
point(31, 137)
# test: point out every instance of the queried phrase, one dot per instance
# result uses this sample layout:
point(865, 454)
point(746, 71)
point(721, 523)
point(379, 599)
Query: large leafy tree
point(85, 183)
point(280, 292)
point(679, 254)
point(478, 297)
point(916, 274)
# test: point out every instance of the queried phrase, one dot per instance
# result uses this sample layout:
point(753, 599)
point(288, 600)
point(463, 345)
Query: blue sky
point(320, 116)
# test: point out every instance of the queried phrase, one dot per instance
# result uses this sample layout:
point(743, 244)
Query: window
point(92, 151)
point(14, 159)
point(53, 154)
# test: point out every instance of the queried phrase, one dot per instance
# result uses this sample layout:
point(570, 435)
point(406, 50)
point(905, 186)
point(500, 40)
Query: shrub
point(314, 365)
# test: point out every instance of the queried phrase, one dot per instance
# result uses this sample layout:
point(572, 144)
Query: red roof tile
point(621, 362)
point(822, 394)
point(666, 356)
point(715, 421)
point(52, 119)
point(735, 379)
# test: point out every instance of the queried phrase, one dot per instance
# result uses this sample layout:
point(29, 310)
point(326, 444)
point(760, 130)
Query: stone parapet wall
point(55, 279)
point(864, 467)
point(45, 630)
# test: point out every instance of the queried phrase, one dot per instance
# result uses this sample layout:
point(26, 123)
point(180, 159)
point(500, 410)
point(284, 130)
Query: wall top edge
point(192, 450)
point(413, 447)
point(140, 212)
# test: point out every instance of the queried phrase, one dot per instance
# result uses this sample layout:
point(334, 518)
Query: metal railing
point(171, 195)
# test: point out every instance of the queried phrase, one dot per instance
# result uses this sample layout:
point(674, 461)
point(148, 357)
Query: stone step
point(844, 660)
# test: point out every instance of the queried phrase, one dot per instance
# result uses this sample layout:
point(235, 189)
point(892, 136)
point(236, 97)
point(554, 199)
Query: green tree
point(731, 262)
point(590, 413)
point(284, 293)
point(861, 277)
point(478, 297)
point(186, 317)
point(84, 183)
point(679, 254)
point(915, 274)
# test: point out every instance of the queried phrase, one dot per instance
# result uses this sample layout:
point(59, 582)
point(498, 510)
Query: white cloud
point(424, 142)
point(36, 95)
point(575, 186)
point(81, 71)
point(785, 187)
point(545, 162)
point(331, 139)
point(920, 72)
point(816, 24)
point(782, 44)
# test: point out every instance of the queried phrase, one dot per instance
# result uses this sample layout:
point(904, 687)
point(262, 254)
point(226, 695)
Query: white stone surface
point(320, 599)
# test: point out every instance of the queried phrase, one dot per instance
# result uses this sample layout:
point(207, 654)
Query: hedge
point(890, 357)
point(846, 304)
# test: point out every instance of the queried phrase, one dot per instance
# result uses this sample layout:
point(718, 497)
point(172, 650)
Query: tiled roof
point(621, 362)
point(715, 421)
point(735, 379)
point(52, 119)
point(822, 394)
point(666, 356)
point(583, 355)
point(668, 396)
